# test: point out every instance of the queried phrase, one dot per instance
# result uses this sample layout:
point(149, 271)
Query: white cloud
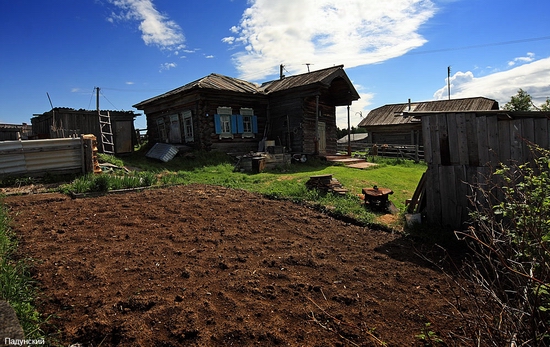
point(325, 33)
point(533, 77)
point(529, 58)
point(167, 66)
point(357, 111)
point(156, 28)
point(130, 83)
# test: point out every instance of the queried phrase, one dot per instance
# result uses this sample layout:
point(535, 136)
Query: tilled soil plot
point(209, 266)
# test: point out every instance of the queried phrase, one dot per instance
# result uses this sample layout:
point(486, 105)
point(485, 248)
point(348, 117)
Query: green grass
point(215, 168)
point(16, 285)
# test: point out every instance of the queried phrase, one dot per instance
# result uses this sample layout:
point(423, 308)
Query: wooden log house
point(227, 114)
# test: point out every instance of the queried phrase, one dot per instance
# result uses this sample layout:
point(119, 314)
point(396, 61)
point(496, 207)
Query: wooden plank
point(492, 140)
point(434, 139)
point(471, 136)
point(415, 200)
point(454, 138)
point(482, 140)
point(426, 120)
point(504, 142)
point(527, 138)
point(448, 194)
point(433, 195)
point(541, 132)
point(462, 138)
point(516, 152)
point(463, 192)
point(443, 140)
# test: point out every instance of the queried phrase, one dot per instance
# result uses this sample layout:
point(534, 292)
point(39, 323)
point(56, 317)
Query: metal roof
point(353, 137)
point(395, 114)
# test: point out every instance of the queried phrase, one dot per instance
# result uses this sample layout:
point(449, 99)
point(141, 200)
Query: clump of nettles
point(510, 262)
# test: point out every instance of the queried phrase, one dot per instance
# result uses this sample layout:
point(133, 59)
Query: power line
point(116, 108)
point(503, 43)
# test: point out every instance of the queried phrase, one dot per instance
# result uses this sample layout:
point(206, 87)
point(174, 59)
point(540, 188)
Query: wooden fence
point(412, 152)
point(461, 149)
point(54, 156)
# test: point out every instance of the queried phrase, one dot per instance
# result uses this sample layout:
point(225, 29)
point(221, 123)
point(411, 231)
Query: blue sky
point(392, 50)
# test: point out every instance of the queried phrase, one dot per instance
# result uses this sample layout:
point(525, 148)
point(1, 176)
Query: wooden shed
point(66, 122)
point(394, 123)
point(464, 148)
point(227, 114)
point(14, 131)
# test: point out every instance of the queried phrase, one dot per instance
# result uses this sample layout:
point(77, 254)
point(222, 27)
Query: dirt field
point(209, 266)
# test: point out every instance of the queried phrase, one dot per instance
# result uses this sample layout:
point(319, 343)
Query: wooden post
point(349, 135)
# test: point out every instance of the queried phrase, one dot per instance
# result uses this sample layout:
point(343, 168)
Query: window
point(225, 123)
point(162, 129)
point(228, 124)
point(188, 126)
point(247, 123)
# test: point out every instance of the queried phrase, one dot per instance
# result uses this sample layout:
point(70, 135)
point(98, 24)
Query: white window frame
point(225, 122)
point(247, 114)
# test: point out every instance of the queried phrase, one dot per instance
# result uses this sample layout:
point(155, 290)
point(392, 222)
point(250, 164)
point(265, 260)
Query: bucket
point(413, 218)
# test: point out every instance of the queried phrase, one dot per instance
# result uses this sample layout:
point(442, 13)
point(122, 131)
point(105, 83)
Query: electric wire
point(503, 43)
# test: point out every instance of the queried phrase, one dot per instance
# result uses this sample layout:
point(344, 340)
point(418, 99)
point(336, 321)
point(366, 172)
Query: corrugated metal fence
point(55, 156)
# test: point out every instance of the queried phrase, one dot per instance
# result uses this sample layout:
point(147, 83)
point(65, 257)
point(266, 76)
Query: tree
point(520, 102)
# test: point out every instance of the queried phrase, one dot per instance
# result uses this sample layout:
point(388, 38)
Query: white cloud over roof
point(156, 28)
point(325, 33)
point(533, 78)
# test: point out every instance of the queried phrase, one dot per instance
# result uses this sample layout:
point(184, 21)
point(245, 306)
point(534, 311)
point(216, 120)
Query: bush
point(510, 239)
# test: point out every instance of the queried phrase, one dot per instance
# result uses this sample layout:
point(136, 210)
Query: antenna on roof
point(281, 67)
point(308, 64)
point(49, 99)
point(449, 81)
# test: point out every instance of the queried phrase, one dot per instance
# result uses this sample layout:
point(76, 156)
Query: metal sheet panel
point(163, 152)
point(12, 160)
point(40, 156)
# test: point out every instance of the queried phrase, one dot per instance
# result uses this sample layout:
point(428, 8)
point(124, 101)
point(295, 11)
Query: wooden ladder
point(106, 130)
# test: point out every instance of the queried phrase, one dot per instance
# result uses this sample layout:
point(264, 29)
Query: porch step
point(344, 159)
point(356, 163)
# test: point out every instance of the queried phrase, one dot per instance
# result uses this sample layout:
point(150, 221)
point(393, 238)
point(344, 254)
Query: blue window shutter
point(240, 125)
point(217, 124)
point(233, 124)
point(255, 124)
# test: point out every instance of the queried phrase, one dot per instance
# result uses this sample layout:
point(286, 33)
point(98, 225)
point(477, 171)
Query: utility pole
point(449, 81)
point(97, 99)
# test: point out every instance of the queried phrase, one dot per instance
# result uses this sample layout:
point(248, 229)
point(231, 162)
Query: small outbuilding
point(227, 114)
point(63, 122)
point(396, 123)
point(14, 131)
